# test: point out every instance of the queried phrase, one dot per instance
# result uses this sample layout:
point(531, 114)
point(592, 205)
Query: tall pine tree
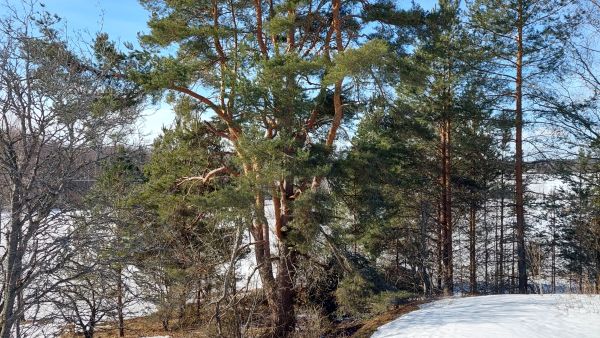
point(273, 81)
point(526, 40)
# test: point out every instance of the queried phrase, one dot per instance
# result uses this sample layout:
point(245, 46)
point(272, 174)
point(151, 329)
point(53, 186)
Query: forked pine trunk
point(285, 317)
point(262, 254)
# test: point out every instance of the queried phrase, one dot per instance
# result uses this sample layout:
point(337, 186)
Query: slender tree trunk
point(519, 189)
point(501, 244)
point(21, 318)
point(496, 260)
point(598, 260)
point(439, 247)
point(553, 248)
point(598, 269)
point(446, 210)
point(472, 241)
point(423, 249)
point(13, 266)
point(512, 272)
point(486, 259)
point(198, 300)
point(120, 305)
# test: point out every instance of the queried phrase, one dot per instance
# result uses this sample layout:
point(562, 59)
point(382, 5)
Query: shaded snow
point(527, 316)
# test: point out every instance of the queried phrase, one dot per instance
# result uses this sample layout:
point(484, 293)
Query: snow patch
point(526, 316)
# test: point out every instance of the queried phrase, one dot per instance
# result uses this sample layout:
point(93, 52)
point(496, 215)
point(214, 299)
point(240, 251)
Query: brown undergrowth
point(369, 326)
point(150, 326)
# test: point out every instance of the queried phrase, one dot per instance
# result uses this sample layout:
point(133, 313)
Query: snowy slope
point(527, 316)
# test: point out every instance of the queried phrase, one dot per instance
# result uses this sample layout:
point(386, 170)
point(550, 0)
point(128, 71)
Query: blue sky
point(123, 20)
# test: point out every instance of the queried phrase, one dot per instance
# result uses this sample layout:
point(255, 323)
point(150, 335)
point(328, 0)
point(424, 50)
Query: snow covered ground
point(527, 316)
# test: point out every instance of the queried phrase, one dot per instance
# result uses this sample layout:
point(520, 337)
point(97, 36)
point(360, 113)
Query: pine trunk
point(519, 189)
point(553, 250)
point(472, 238)
point(262, 254)
point(439, 241)
point(501, 244)
point(446, 221)
point(486, 259)
point(285, 318)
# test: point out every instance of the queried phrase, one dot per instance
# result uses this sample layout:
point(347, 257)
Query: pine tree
point(476, 167)
point(391, 206)
point(444, 94)
point(188, 230)
point(579, 233)
point(273, 89)
point(526, 39)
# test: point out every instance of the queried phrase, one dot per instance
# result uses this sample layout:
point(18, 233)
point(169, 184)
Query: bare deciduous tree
point(55, 112)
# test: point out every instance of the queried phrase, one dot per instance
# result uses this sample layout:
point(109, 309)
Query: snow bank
point(527, 316)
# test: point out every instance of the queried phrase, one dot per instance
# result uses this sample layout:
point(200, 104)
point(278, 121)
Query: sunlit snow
point(516, 316)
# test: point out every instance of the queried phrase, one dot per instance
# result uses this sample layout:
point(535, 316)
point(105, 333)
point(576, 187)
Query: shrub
point(388, 300)
point(352, 295)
